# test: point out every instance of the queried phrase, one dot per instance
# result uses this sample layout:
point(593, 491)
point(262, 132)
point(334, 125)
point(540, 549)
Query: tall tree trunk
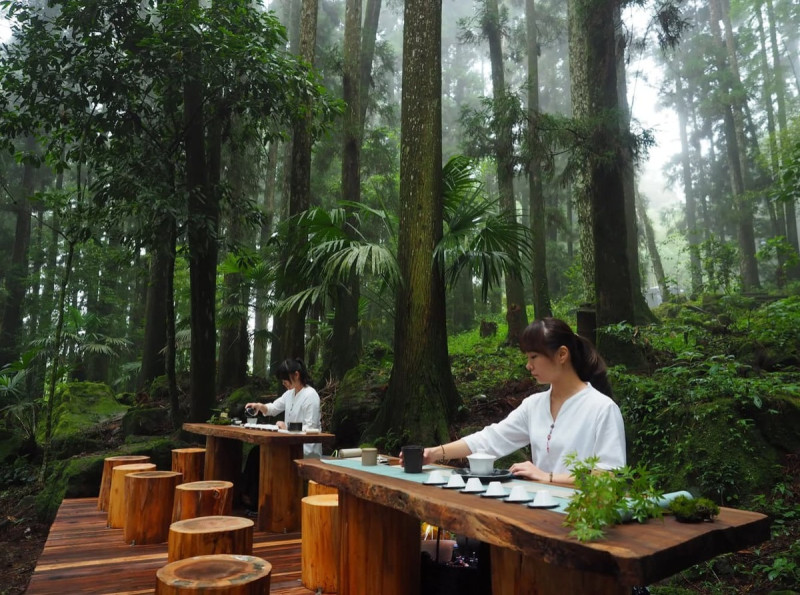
point(579, 83)
point(516, 313)
point(790, 214)
point(642, 313)
point(155, 329)
point(292, 342)
point(203, 222)
point(693, 237)
point(736, 145)
point(421, 398)
point(346, 339)
point(652, 248)
point(17, 277)
point(261, 317)
point(368, 36)
point(541, 290)
point(592, 29)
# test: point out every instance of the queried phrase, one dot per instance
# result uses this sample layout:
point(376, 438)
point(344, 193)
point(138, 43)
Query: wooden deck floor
point(83, 556)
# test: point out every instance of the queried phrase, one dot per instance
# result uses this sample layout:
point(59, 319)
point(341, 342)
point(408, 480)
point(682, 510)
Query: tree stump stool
point(316, 489)
point(148, 506)
point(105, 482)
point(116, 500)
point(319, 550)
point(190, 462)
point(210, 535)
point(215, 575)
point(202, 498)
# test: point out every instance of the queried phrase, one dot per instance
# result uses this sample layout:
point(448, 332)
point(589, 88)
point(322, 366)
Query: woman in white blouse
point(300, 402)
point(571, 416)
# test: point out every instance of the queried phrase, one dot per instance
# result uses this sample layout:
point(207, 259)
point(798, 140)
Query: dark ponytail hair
point(288, 367)
point(546, 335)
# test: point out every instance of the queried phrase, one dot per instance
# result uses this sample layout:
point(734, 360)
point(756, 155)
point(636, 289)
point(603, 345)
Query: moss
point(81, 404)
point(79, 477)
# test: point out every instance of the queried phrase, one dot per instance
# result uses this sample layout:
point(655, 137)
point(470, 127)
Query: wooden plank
point(82, 555)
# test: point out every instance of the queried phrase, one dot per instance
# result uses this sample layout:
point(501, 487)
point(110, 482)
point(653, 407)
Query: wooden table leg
point(280, 488)
point(380, 550)
point(516, 574)
point(223, 459)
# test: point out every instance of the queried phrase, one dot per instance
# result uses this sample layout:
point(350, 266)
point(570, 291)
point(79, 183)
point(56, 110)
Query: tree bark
point(155, 330)
point(346, 338)
point(736, 147)
point(421, 397)
point(292, 342)
point(692, 234)
point(202, 226)
point(541, 290)
point(516, 313)
point(17, 276)
point(592, 30)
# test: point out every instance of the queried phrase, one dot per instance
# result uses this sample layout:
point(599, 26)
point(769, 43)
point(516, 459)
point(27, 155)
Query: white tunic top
point(302, 406)
point(588, 423)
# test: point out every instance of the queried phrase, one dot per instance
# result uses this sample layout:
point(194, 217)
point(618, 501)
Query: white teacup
point(481, 463)
point(519, 493)
point(495, 489)
point(435, 477)
point(474, 485)
point(252, 420)
point(455, 481)
point(544, 498)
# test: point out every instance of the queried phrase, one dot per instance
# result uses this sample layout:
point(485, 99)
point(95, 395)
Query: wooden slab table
point(380, 518)
point(280, 488)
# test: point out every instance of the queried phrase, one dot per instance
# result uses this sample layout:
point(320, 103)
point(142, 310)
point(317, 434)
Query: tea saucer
point(542, 506)
point(435, 483)
point(449, 487)
point(466, 491)
point(503, 495)
point(518, 500)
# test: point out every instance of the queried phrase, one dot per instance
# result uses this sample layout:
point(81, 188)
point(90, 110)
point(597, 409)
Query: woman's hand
point(256, 406)
point(281, 425)
point(431, 455)
point(527, 470)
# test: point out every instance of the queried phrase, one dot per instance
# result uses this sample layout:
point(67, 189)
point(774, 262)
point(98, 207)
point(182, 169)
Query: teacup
point(473, 485)
point(495, 489)
point(252, 420)
point(295, 426)
point(435, 477)
point(544, 498)
point(519, 494)
point(455, 481)
point(481, 463)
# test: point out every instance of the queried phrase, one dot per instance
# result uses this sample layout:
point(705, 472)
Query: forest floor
point(22, 537)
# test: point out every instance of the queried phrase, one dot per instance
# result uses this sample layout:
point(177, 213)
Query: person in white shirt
point(573, 415)
point(300, 402)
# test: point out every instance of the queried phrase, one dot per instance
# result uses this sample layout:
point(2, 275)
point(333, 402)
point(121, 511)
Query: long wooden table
point(531, 550)
point(280, 488)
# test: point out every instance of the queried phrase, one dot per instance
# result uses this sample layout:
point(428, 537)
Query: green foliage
point(606, 498)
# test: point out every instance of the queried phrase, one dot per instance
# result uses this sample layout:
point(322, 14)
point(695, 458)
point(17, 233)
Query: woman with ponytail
point(300, 402)
point(575, 414)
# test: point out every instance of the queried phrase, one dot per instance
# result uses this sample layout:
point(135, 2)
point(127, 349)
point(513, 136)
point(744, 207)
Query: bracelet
point(443, 459)
point(551, 477)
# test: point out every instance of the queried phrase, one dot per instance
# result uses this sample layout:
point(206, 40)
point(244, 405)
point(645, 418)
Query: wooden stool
point(116, 500)
point(105, 482)
point(316, 489)
point(202, 498)
point(319, 551)
point(210, 535)
point(148, 506)
point(190, 462)
point(221, 573)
